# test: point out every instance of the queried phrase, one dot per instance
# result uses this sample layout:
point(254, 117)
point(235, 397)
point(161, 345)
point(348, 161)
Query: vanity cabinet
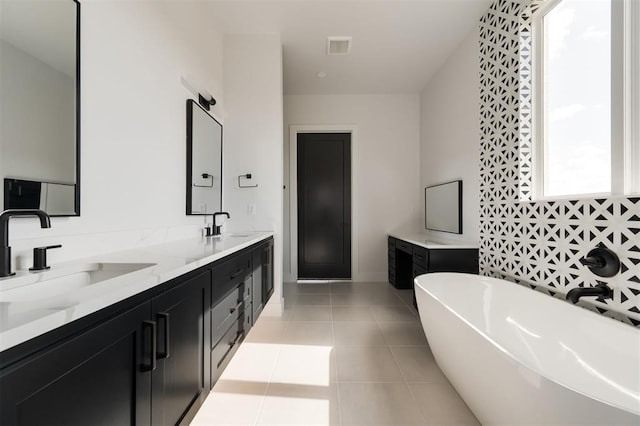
point(243, 286)
point(407, 261)
point(262, 276)
point(231, 310)
point(181, 377)
point(99, 376)
point(150, 359)
point(144, 366)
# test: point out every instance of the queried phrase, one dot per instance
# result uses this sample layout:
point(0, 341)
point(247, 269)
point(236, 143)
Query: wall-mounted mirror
point(204, 161)
point(443, 207)
point(40, 105)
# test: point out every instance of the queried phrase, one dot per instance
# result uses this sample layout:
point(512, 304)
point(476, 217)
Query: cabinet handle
point(163, 318)
point(237, 273)
point(236, 340)
point(150, 328)
point(235, 308)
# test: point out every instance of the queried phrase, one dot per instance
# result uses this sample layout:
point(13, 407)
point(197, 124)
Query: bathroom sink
point(56, 282)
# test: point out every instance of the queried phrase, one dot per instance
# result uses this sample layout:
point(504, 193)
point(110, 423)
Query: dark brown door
point(324, 205)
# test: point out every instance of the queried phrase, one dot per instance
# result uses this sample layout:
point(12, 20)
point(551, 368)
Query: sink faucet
point(216, 228)
point(601, 290)
point(5, 250)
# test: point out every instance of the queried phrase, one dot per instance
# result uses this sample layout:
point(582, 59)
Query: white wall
point(37, 112)
point(386, 163)
point(253, 140)
point(450, 133)
point(133, 126)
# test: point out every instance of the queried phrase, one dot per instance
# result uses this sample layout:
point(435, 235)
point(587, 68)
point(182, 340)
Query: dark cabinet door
point(267, 272)
point(97, 377)
point(258, 301)
point(181, 376)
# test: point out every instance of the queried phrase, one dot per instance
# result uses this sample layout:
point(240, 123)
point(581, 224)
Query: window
point(586, 96)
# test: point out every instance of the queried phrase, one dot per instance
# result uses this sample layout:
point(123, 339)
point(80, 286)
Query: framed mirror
point(443, 207)
point(40, 105)
point(204, 161)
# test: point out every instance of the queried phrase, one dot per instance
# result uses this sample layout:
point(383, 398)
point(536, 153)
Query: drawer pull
point(163, 318)
point(235, 308)
point(150, 328)
point(236, 340)
point(237, 273)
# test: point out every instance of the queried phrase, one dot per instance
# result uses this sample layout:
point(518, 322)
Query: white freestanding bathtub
point(517, 356)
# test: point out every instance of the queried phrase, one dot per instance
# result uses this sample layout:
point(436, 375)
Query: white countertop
point(430, 242)
point(42, 311)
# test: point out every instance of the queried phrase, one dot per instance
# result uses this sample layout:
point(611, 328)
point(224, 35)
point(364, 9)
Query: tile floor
point(342, 354)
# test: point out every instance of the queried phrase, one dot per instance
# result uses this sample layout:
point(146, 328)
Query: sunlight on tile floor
point(341, 354)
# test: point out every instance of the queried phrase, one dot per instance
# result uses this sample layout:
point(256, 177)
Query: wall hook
point(205, 176)
point(247, 176)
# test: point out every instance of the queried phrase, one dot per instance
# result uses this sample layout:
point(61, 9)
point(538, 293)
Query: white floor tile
point(343, 353)
point(300, 405)
point(232, 403)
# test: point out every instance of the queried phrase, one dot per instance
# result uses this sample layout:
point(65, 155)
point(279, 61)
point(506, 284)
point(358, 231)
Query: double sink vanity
point(134, 337)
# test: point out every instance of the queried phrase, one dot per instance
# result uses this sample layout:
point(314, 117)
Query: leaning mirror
point(40, 105)
point(204, 161)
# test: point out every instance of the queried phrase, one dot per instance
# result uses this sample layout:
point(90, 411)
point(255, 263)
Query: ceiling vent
point(338, 45)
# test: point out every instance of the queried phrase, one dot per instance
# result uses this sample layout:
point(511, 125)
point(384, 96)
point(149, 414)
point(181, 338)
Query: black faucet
point(216, 228)
point(5, 250)
point(601, 290)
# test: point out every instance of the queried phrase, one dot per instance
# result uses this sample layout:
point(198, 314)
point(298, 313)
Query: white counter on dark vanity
point(413, 254)
point(143, 344)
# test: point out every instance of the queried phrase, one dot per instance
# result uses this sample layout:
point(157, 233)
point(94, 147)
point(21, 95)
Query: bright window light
point(575, 98)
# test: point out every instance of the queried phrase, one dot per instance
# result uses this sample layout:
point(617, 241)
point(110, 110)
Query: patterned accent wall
point(540, 244)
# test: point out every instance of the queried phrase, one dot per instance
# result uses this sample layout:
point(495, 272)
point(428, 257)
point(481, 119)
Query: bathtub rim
point(632, 410)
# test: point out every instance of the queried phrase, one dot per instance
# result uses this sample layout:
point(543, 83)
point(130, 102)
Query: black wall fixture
point(206, 102)
point(247, 176)
point(602, 261)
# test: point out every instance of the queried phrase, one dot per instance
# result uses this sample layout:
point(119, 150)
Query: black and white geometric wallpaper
point(540, 243)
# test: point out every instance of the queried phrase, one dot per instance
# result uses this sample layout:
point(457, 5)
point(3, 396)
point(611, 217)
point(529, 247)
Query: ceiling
point(397, 45)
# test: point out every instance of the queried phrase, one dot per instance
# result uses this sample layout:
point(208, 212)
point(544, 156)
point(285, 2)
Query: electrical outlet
point(251, 208)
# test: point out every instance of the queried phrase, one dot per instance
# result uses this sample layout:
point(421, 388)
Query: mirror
point(40, 105)
point(204, 161)
point(443, 207)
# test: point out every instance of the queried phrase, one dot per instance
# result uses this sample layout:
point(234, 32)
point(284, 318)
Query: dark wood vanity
point(149, 359)
point(408, 260)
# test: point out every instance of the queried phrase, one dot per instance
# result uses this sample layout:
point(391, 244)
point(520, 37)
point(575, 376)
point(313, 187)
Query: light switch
point(251, 208)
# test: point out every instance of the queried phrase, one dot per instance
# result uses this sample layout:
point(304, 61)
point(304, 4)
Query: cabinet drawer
point(248, 317)
point(227, 311)
point(418, 270)
point(223, 349)
point(404, 246)
point(229, 274)
point(420, 256)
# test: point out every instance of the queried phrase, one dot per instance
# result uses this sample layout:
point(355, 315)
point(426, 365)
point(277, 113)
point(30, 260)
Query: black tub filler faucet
point(602, 262)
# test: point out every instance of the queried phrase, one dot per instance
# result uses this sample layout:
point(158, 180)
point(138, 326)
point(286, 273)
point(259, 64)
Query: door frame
point(294, 130)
